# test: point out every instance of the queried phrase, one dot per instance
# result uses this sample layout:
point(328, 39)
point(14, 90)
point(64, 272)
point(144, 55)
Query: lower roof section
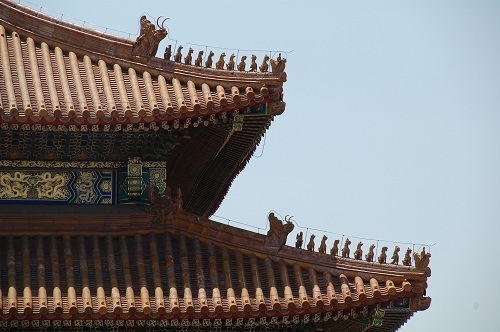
point(78, 265)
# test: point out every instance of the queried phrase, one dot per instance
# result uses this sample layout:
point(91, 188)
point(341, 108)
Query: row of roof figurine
point(358, 253)
point(150, 36)
point(277, 66)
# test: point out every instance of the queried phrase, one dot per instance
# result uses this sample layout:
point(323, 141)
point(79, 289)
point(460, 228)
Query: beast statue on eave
point(278, 232)
point(146, 45)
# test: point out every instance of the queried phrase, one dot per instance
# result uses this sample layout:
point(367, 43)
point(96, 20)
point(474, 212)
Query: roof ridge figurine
point(146, 45)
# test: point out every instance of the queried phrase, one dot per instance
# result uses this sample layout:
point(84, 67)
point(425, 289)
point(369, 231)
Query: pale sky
point(391, 130)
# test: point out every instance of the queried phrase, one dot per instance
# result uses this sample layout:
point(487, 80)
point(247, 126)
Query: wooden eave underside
point(190, 268)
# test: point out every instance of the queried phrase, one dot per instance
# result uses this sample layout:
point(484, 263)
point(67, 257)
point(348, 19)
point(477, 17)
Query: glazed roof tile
point(165, 274)
point(55, 72)
point(43, 84)
point(91, 263)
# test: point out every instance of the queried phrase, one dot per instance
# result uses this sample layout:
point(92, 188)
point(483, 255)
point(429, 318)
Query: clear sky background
point(391, 130)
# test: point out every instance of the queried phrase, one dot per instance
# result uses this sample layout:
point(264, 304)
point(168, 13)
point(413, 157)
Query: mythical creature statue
point(422, 260)
point(242, 64)
point(210, 61)
point(322, 246)
point(264, 66)
point(220, 63)
point(199, 59)
point(278, 232)
point(395, 256)
point(383, 256)
point(146, 45)
point(163, 207)
point(300, 240)
point(178, 54)
point(358, 254)
point(371, 254)
point(346, 250)
point(230, 63)
point(189, 57)
point(335, 249)
point(253, 65)
point(168, 52)
point(310, 245)
point(278, 65)
point(407, 258)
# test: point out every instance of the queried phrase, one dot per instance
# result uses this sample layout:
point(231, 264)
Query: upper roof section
point(55, 72)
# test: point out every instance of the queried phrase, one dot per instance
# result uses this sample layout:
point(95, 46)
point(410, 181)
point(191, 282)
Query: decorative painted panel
point(56, 186)
point(154, 176)
point(79, 186)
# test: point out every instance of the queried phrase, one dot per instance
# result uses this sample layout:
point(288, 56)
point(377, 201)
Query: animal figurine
point(242, 64)
point(300, 241)
point(395, 256)
point(264, 66)
point(322, 246)
point(209, 62)
point(178, 55)
point(253, 65)
point(230, 64)
point(220, 63)
point(310, 245)
point(146, 45)
point(335, 249)
point(358, 254)
point(369, 256)
point(422, 260)
point(168, 52)
point(189, 57)
point(278, 231)
point(407, 258)
point(383, 256)
point(346, 250)
point(199, 59)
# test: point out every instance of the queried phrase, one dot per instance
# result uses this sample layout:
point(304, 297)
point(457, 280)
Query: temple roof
point(82, 263)
point(57, 73)
point(61, 85)
point(72, 98)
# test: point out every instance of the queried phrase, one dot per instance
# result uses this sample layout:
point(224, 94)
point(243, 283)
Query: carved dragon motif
point(278, 232)
point(149, 38)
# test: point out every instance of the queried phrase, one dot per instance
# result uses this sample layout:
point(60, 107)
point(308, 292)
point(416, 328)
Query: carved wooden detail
point(276, 108)
point(163, 208)
point(420, 303)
